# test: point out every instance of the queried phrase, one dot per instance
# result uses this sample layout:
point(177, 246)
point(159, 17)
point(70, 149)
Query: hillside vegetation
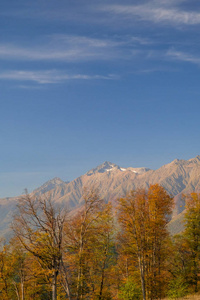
point(54, 254)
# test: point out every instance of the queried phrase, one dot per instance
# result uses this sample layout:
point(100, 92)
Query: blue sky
point(82, 82)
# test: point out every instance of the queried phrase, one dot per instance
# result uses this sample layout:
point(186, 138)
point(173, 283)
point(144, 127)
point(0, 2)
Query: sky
point(83, 82)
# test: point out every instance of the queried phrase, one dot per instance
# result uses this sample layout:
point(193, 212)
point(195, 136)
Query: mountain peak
point(49, 185)
point(104, 167)
point(195, 159)
point(55, 180)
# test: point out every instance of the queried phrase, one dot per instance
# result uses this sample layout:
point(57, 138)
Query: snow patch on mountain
point(105, 167)
point(138, 170)
point(110, 167)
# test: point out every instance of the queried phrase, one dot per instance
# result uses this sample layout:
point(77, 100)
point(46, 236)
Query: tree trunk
point(66, 283)
point(79, 292)
point(54, 286)
point(16, 290)
point(103, 272)
point(195, 273)
point(142, 278)
point(22, 289)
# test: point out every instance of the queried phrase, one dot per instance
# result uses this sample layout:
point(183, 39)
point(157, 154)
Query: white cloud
point(52, 76)
point(157, 12)
point(158, 69)
point(73, 48)
point(64, 48)
point(182, 56)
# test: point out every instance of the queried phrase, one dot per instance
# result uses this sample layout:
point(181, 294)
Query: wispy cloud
point(52, 76)
point(154, 70)
point(64, 48)
point(72, 48)
point(182, 56)
point(157, 12)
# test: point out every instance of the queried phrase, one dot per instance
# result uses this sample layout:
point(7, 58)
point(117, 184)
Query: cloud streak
point(182, 56)
point(73, 49)
point(61, 48)
point(64, 48)
point(156, 12)
point(50, 77)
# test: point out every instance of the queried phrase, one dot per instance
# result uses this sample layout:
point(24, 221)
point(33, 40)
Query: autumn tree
point(179, 267)
point(103, 256)
point(38, 225)
point(143, 216)
point(7, 290)
point(12, 271)
point(18, 260)
point(88, 247)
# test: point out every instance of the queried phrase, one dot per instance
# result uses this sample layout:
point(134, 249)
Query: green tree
point(192, 234)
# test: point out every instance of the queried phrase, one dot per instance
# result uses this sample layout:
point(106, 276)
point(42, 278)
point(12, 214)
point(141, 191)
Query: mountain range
point(112, 181)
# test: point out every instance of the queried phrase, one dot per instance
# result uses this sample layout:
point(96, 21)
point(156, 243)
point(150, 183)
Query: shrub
point(177, 288)
point(130, 291)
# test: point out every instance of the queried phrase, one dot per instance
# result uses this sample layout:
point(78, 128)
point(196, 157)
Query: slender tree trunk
point(79, 292)
point(103, 272)
point(127, 273)
point(16, 290)
point(78, 287)
point(66, 282)
point(54, 285)
point(195, 274)
point(141, 266)
point(22, 289)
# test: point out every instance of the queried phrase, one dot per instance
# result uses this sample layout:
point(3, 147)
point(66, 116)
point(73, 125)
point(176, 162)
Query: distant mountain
point(49, 185)
point(113, 181)
point(105, 167)
point(108, 167)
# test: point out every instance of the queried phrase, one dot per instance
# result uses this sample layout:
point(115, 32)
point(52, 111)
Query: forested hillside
point(101, 251)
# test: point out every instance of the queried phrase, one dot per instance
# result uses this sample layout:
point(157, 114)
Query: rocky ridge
point(113, 181)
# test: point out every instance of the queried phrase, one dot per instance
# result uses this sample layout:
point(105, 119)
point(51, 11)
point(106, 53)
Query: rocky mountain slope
point(113, 181)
